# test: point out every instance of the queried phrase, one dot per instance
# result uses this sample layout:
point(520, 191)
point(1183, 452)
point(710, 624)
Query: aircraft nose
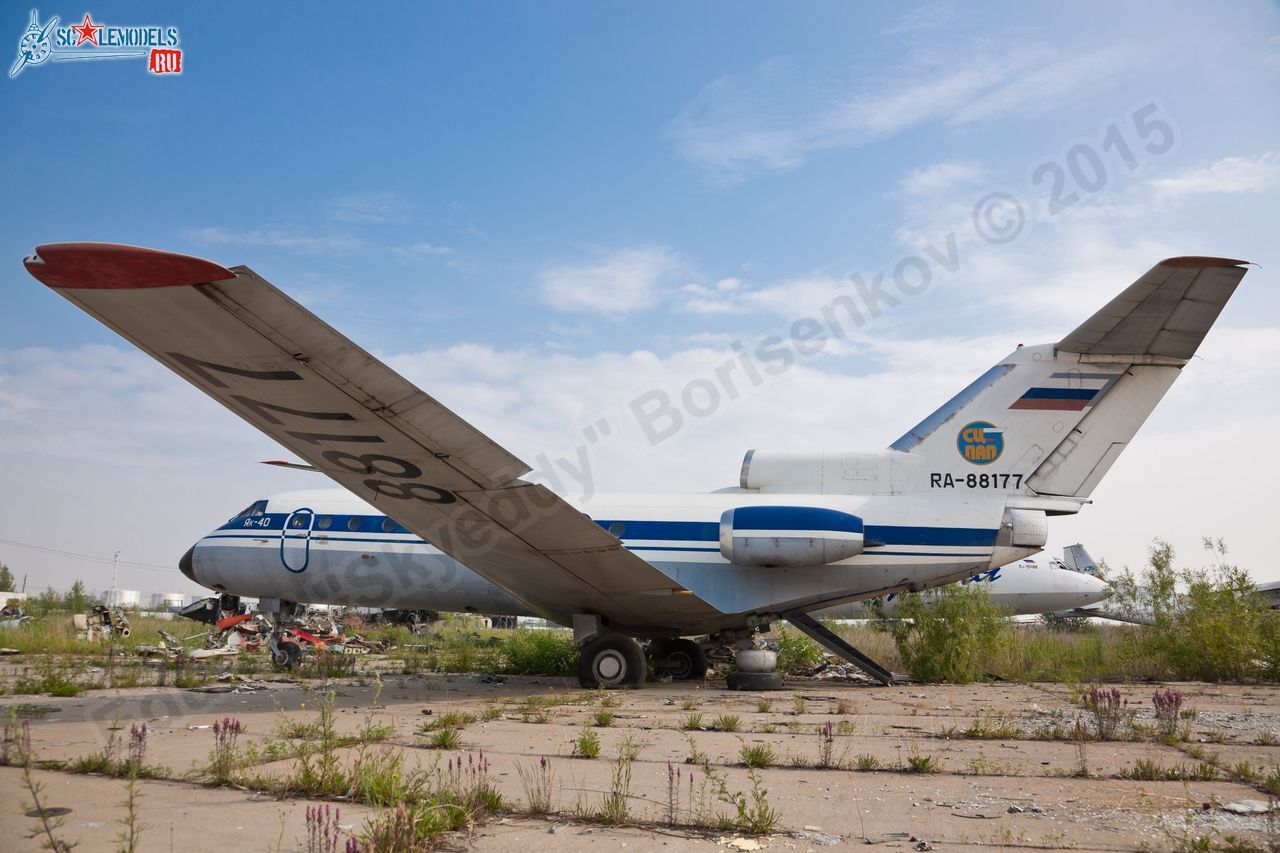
point(185, 564)
point(1090, 589)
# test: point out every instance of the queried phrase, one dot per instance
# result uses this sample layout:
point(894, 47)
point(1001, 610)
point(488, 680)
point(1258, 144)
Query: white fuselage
point(1020, 589)
point(328, 546)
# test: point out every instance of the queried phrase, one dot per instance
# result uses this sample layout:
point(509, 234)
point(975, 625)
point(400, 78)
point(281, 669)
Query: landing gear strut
point(835, 644)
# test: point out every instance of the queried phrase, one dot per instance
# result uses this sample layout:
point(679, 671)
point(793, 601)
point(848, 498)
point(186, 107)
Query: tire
point(611, 662)
point(683, 660)
point(755, 660)
point(287, 654)
point(755, 681)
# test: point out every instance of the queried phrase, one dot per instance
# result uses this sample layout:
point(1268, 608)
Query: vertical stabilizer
point(1052, 419)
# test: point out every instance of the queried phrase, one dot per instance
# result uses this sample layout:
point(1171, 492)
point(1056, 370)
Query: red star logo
point(87, 32)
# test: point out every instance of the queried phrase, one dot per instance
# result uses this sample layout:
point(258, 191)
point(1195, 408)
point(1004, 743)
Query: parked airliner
point(324, 537)
point(1023, 588)
point(968, 489)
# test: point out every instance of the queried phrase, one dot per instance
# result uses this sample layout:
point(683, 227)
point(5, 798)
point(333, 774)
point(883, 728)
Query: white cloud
point(941, 177)
point(289, 237)
point(774, 116)
point(1256, 174)
point(1051, 86)
point(716, 299)
point(370, 208)
point(422, 250)
point(925, 18)
point(613, 283)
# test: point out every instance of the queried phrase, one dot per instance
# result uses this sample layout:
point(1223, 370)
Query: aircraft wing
point(1270, 592)
point(1165, 313)
point(275, 364)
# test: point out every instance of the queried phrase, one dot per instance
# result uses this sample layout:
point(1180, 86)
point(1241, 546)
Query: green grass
point(757, 755)
point(992, 728)
point(726, 723)
point(55, 634)
point(55, 677)
point(692, 723)
point(918, 763)
point(602, 719)
point(449, 720)
point(445, 739)
point(587, 744)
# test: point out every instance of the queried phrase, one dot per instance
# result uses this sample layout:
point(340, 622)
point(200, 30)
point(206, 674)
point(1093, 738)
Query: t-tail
point(1049, 421)
point(1077, 559)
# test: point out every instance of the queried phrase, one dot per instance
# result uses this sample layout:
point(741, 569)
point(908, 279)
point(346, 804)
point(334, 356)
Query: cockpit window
point(253, 510)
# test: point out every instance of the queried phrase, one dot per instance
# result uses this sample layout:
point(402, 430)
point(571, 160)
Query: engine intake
point(789, 536)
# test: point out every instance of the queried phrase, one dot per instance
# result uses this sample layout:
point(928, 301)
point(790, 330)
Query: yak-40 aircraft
point(968, 489)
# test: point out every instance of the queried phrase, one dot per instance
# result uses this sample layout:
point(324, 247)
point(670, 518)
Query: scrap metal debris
point(101, 623)
point(13, 617)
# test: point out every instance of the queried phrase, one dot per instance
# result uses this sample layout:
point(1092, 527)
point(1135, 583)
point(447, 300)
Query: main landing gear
point(682, 659)
point(611, 660)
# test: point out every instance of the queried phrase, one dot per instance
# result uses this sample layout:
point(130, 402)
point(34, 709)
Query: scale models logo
point(41, 43)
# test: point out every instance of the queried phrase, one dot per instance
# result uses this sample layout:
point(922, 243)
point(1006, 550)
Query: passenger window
point(354, 523)
point(324, 522)
point(618, 529)
point(388, 525)
point(300, 521)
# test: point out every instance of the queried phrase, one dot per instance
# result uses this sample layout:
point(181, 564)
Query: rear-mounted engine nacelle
point(789, 536)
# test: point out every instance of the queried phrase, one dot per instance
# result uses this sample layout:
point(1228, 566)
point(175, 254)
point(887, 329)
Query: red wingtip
point(111, 266)
point(1200, 262)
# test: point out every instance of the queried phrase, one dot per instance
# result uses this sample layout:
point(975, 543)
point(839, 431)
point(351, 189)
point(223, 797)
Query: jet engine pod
point(789, 536)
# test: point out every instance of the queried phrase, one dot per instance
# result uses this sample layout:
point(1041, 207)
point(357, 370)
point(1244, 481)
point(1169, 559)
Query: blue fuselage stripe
point(630, 531)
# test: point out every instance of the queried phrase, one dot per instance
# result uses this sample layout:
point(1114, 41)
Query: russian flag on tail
point(1056, 399)
point(1070, 396)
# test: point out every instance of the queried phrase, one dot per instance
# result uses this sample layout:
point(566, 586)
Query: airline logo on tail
point(980, 442)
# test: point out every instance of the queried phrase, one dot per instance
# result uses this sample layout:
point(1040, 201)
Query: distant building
point(122, 598)
point(165, 601)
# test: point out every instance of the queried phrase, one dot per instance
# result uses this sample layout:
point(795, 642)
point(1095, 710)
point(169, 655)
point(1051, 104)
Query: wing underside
point(275, 364)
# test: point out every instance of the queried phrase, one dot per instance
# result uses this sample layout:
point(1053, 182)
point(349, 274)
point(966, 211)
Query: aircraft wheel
point(683, 659)
point(755, 681)
point(287, 654)
point(611, 662)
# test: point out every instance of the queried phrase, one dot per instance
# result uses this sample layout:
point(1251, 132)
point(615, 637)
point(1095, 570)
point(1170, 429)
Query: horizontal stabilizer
point(1166, 313)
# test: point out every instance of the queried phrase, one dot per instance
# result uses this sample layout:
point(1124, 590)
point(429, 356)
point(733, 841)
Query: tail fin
point(1076, 558)
point(1052, 419)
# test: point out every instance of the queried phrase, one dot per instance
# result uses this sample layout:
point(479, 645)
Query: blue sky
point(537, 211)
